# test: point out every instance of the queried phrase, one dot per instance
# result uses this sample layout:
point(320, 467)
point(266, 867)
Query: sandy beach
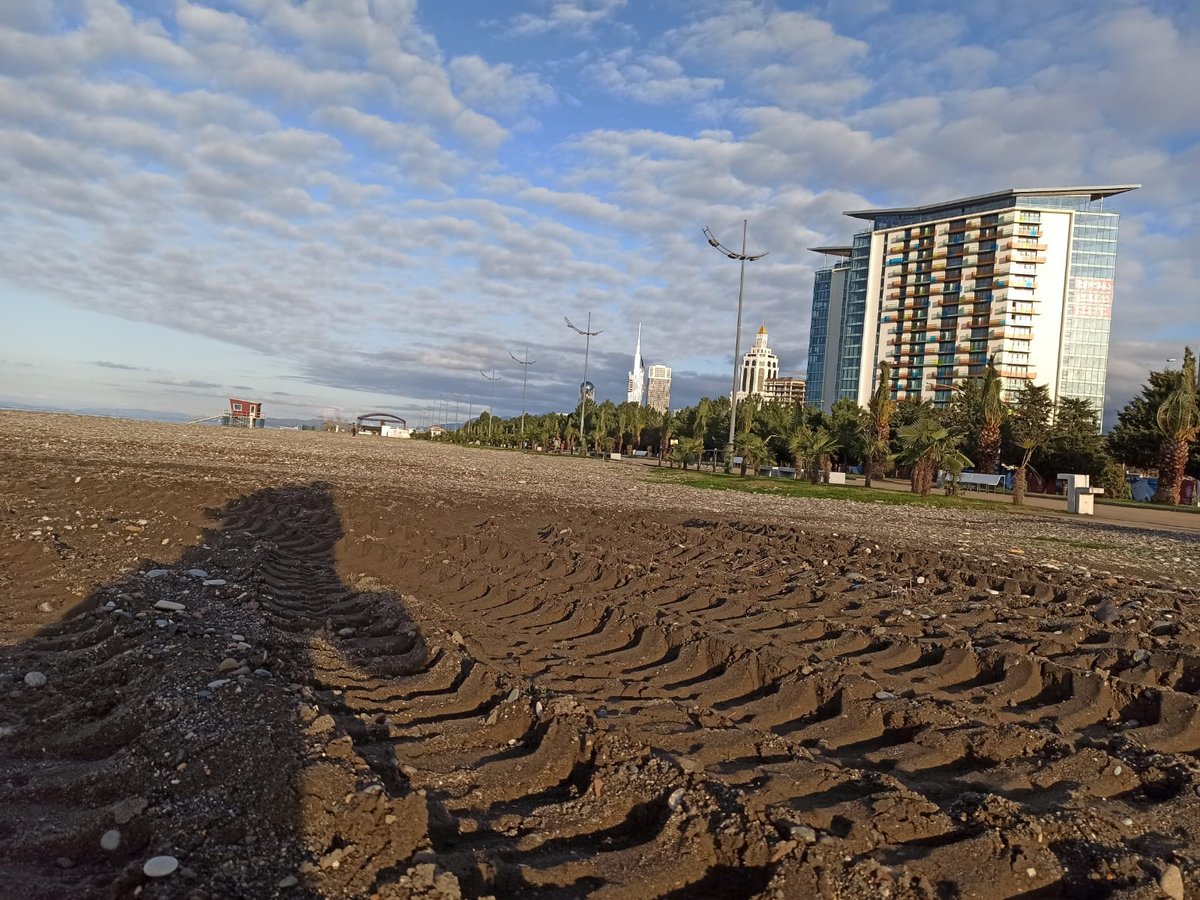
point(309, 665)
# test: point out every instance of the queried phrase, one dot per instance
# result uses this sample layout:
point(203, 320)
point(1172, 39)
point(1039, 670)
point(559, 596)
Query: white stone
point(169, 605)
point(158, 573)
point(35, 679)
point(110, 840)
point(160, 866)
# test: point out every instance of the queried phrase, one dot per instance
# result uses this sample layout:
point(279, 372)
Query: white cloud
point(573, 16)
point(794, 58)
point(656, 80)
point(498, 89)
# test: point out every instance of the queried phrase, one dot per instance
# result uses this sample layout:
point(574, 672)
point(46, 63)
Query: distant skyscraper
point(829, 300)
point(758, 365)
point(1022, 276)
point(637, 377)
point(658, 394)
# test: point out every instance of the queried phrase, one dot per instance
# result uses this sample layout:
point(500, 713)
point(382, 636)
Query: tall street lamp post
point(525, 364)
point(742, 258)
point(493, 378)
point(589, 334)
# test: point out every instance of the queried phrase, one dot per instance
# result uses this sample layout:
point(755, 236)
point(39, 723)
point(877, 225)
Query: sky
point(343, 206)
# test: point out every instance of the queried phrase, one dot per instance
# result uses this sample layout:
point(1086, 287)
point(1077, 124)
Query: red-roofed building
point(245, 412)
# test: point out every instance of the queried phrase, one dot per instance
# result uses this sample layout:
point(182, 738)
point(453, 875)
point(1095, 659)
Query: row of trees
point(1158, 429)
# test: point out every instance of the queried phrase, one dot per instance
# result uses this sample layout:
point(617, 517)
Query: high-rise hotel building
point(1023, 275)
point(658, 388)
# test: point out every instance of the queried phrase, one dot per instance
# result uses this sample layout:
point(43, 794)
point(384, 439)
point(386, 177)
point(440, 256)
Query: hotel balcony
point(1021, 215)
point(1023, 244)
point(1019, 256)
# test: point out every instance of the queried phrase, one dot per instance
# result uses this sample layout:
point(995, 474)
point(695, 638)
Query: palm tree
point(1031, 429)
point(753, 450)
point(701, 416)
point(1178, 420)
point(811, 449)
point(665, 427)
point(927, 445)
point(625, 424)
point(688, 449)
point(877, 426)
point(992, 410)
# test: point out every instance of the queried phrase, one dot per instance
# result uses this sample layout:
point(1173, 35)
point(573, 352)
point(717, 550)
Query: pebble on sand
point(110, 840)
point(160, 866)
point(1171, 882)
point(169, 605)
point(35, 679)
point(157, 573)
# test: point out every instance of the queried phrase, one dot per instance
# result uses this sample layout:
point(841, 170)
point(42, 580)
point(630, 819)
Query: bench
point(777, 471)
point(979, 482)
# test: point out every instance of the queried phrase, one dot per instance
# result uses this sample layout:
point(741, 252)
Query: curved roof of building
point(1094, 192)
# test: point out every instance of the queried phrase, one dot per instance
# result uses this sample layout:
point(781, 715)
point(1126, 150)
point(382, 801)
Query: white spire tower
point(637, 378)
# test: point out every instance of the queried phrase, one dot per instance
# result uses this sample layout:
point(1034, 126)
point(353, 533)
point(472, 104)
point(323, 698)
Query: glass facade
point(854, 312)
point(817, 336)
point(1087, 317)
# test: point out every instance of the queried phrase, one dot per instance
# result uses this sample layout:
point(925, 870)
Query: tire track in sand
point(967, 723)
